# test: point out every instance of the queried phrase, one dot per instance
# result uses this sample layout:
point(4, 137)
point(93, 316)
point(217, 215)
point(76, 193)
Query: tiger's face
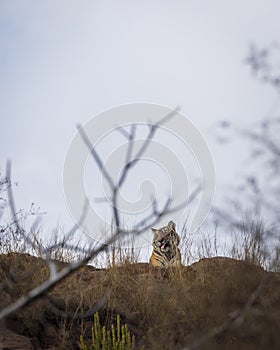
point(165, 246)
point(165, 238)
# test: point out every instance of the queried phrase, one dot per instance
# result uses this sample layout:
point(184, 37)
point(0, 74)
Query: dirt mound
point(164, 308)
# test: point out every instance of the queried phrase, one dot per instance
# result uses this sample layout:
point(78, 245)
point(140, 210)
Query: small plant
point(114, 339)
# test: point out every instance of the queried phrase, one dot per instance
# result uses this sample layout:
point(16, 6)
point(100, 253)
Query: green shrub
point(114, 339)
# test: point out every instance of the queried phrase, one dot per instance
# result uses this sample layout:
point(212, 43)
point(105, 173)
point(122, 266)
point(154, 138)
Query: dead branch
point(151, 219)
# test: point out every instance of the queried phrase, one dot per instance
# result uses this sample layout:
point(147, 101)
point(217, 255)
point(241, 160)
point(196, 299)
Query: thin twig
point(95, 156)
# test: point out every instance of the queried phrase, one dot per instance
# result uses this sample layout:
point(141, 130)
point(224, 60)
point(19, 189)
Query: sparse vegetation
point(162, 308)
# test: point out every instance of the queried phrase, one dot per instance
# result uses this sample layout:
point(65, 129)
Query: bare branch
point(152, 130)
point(268, 143)
point(56, 276)
point(95, 156)
point(12, 206)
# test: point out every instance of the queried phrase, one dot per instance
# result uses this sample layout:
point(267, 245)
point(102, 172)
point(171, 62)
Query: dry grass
point(164, 309)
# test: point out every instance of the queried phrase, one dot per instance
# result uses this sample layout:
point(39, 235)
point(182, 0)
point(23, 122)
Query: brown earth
point(164, 309)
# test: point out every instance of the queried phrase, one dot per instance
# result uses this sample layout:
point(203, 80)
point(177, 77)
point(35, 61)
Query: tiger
point(165, 246)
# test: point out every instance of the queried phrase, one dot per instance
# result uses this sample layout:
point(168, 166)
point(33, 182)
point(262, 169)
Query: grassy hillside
point(233, 304)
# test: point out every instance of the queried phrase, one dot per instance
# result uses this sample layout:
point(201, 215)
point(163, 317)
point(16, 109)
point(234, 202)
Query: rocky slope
point(232, 304)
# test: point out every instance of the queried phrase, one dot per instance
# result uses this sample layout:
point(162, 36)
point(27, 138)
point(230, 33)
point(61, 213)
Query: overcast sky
point(63, 62)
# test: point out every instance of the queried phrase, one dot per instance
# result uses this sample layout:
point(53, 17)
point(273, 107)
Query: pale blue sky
point(64, 61)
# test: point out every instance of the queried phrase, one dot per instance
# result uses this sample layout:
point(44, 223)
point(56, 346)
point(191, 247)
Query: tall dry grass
point(163, 308)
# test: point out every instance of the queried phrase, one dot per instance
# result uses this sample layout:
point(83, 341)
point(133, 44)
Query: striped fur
point(165, 246)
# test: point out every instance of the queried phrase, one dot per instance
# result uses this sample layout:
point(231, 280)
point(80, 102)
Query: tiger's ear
point(153, 229)
point(172, 225)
